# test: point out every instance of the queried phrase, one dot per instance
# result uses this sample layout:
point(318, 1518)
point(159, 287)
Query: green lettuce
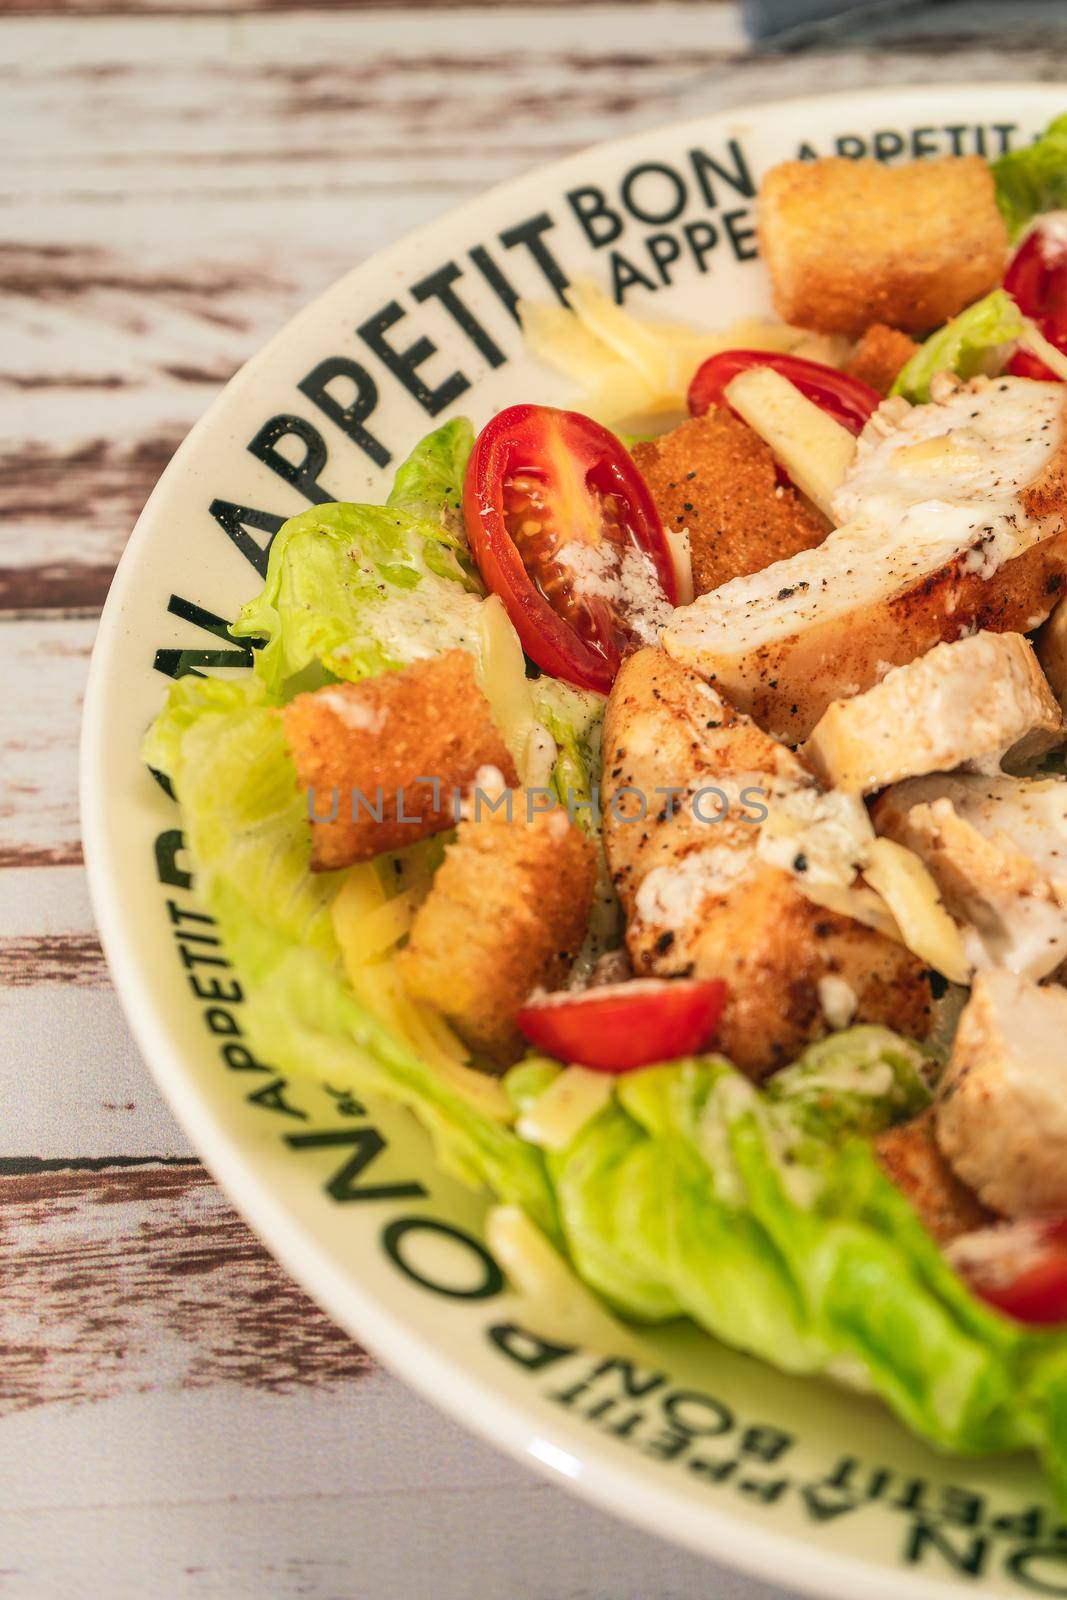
point(222, 747)
point(766, 1217)
point(429, 484)
point(1033, 180)
point(574, 718)
point(354, 590)
point(970, 344)
point(762, 1215)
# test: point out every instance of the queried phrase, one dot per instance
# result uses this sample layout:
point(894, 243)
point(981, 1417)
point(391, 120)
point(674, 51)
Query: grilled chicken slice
point(953, 518)
point(911, 1157)
point(960, 704)
point(997, 850)
point(1002, 1102)
point(701, 898)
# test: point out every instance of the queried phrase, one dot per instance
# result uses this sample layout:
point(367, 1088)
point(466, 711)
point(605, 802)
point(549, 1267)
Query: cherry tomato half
point(541, 480)
point(622, 1026)
point(1019, 1267)
point(1037, 281)
point(846, 399)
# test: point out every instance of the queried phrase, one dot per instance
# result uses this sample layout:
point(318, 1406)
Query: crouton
point(366, 754)
point(975, 700)
point(700, 897)
point(849, 243)
point(954, 519)
point(910, 1156)
point(880, 357)
point(715, 477)
point(506, 915)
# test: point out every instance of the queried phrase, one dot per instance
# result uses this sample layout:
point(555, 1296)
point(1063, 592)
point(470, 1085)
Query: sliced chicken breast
point(961, 704)
point(1002, 1102)
point(953, 518)
point(997, 850)
point(689, 789)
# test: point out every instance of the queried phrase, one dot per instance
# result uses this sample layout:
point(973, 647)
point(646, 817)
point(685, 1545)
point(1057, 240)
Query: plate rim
point(605, 1479)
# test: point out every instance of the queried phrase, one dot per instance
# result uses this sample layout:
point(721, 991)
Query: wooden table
point(179, 177)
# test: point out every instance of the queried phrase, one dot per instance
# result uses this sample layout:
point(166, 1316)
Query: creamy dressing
point(435, 615)
point(354, 712)
point(624, 577)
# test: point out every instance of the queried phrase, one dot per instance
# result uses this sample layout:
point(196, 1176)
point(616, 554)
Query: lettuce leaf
point(224, 751)
point(353, 590)
point(1033, 180)
point(766, 1217)
point(429, 484)
point(356, 590)
point(970, 344)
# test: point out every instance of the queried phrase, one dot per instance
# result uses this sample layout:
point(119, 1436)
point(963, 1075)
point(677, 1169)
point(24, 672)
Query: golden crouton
point(506, 915)
point(880, 357)
point(910, 1156)
point(849, 243)
point(381, 760)
point(716, 477)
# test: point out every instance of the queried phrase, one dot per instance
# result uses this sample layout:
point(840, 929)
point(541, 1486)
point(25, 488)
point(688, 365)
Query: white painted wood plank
point(367, 1494)
point(270, 154)
point(72, 1081)
point(43, 665)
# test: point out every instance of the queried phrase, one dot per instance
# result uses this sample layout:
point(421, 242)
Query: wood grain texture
point(43, 664)
point(140, 1274)
point(142, 269)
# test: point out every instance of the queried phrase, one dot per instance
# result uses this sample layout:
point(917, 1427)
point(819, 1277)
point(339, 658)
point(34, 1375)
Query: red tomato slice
point(1019, 1267)
point(625, 1025)
point(1037, 281)
point(846, 399)
point(540, 480)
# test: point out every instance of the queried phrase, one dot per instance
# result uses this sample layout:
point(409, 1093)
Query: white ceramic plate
point(795, 1480)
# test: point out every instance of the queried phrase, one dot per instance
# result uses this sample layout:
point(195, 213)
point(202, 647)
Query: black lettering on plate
point(168, 871)
point(600, 222)
point(965, 1554)
point(367, 1145)
point(405, 364)
point(737, 176)
point(501, 287)
point(349, 414)
point(640, 205)
point(396, 1232)
point(235, 522)
point(303, 475)
point(439, 286)
point(1050, 1579)
point(531, 234)
point(272, 1098)
point(176, 663)
point(529, 1350)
